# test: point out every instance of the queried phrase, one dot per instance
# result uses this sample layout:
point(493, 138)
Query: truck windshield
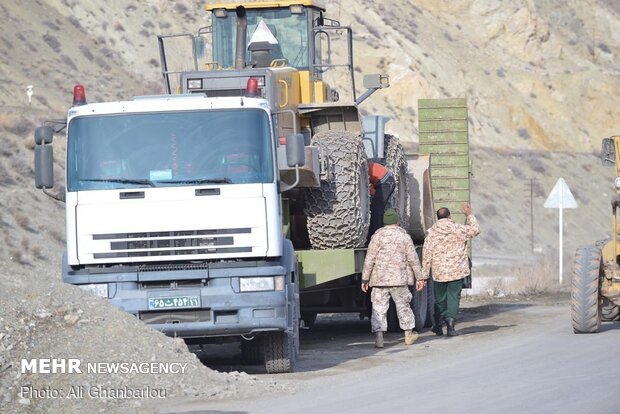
point(132, 150)
point(290, 30)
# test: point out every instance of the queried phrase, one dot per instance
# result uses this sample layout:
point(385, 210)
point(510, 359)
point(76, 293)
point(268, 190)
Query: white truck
point(173, 213)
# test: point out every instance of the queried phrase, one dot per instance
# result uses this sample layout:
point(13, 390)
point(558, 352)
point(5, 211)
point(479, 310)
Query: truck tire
point(338, 212)
point(419, 306)
point(393, 325)
point(309, 318)
point(396, 162)
point(279, 352)
point(430, 309)
point(610, 312)
point(585, 305)
point(252, 351)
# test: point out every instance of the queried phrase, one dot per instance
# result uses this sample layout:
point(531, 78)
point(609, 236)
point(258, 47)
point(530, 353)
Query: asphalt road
point(509, 358)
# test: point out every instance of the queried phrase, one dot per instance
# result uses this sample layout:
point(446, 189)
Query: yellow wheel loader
point(595, 294)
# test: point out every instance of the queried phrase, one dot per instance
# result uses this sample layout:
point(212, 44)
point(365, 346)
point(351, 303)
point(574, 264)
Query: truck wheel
point(419, 304)
point(279, 352)
point(396, 162)
point(309, 318)
point(610, 312)
point(339, 211)
point(393, 325)
point(252, 351)
point(585, 306)
point(430, 308)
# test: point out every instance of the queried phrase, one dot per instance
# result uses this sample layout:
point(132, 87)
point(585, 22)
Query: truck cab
point(173, 213)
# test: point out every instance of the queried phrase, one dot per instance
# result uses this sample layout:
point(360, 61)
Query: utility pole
point(532, 214)
point(530, 183)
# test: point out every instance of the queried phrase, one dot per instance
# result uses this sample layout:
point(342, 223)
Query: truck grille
point(171, 243)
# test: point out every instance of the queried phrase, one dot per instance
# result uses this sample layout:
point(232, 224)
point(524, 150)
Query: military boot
point(410, 337)
point(378, 339)
point(450, 325)
point(438, 325)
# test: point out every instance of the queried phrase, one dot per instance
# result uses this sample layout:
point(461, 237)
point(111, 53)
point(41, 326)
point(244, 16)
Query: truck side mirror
point(376, 81)
point(43, 135)
point(43, 166)
point(43, 157)
point(608, 152)
point(295, 156)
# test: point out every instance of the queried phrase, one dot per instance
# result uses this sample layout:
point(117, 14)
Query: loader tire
point(610, 312)
point(585, 304)
point(396, 162)
point(338, 212)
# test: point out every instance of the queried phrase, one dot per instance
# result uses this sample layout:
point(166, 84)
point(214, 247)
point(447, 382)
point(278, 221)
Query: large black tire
point(419, 306)
point(396, 162)
point(610, 312)
point(430, 309)
point(279, 352)
point(393, 325)
point(585, 303)
point(339, 211)
point(252, 351)
point(309, 318)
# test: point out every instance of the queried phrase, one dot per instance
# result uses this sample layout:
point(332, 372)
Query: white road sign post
point(560, 197)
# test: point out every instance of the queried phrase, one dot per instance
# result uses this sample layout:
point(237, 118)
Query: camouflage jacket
point(445, 249)
point(391, 259)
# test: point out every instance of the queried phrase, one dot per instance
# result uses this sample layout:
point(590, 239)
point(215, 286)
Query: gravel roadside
point(42, 317)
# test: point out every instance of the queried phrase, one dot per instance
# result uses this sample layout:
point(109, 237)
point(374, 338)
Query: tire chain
point(337, 216)
point(396, 162)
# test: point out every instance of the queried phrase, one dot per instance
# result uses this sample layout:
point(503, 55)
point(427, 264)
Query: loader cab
point(290, 24)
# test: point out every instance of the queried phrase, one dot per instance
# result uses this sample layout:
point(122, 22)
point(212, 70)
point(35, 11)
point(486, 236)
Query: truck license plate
point(175, 302)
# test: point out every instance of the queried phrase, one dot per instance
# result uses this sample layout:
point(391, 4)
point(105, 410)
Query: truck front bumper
point(212, 303)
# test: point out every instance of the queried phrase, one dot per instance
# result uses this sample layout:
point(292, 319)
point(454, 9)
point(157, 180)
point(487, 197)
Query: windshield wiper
point(199, 181)
point(142, 181)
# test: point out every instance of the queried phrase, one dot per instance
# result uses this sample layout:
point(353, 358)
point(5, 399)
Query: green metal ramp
point(443, 128)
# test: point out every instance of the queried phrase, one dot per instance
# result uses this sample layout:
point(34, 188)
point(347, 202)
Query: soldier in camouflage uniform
point(445, 258)
point(391, 261)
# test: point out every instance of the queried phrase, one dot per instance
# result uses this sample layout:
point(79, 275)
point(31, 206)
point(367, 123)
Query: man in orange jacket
point(382, 185)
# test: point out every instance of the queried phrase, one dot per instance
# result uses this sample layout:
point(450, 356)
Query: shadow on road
point(337, 339)
point(473, 313)
point(609, 326)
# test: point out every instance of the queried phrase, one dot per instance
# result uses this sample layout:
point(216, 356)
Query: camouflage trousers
point(380, 298)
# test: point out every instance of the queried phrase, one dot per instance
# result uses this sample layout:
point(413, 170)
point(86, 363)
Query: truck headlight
point(97, 289)
point(261, 284)
point(617, 183)
point(256, 284)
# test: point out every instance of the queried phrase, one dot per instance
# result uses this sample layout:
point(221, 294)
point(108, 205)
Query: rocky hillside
point(540, 79)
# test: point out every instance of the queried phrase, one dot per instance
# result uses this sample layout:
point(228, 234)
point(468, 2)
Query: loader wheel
point(585, 305)
point(610, 312)
point(279, 352)
point(252, 351)
point(396, 162)
point(339, 211)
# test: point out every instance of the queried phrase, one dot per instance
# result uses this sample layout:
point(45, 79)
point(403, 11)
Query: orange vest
point(376, 172)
